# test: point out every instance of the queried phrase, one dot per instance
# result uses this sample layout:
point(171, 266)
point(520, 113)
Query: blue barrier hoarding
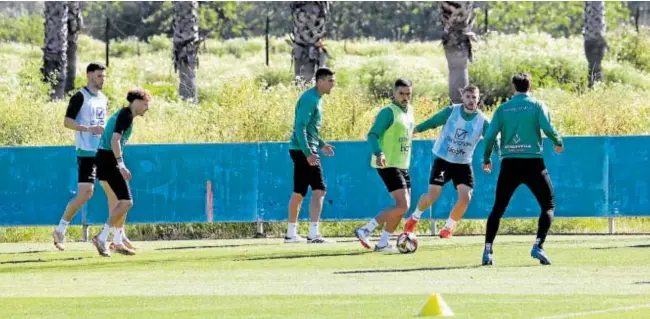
point(593, 177)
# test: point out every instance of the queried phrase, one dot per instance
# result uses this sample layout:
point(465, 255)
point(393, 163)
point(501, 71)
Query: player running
point(85, 115)
point(453, 150)
point(112, 172)
point(303, 149)
point(519, 121)
point(390, 139)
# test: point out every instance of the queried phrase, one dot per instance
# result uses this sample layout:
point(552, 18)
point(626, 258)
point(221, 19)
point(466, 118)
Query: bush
point(553, 63)
point(272, 76)
point(23, 29)
point(160, 43)
point(626, 45)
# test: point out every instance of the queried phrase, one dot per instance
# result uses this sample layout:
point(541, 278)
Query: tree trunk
point(186, 47)
point(457, 19)
point(56, 44)
point(74, 26)
point(595, 43)
point(309, 27)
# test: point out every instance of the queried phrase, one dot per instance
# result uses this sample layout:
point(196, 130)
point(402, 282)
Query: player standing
point(390, 139)
point(112, 172)
point(303, 149)
point(85, 115)
point(519, 121)
point(453, 150)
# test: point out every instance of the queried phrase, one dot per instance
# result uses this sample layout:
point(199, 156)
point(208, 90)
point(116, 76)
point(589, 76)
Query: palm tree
point(74, 26)
point(457, 36)
point(56, 45)
point(309, 22)
point(595, 43)
point(186, 47)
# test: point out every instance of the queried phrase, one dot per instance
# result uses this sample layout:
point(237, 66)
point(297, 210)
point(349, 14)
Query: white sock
point(417, 214)
point(488, 247)
point(385, 236)
point(371, 225)
point(450, 223)
point(291, 230)
point(313, 230)
point(117, 236)
point(103, 235)
point(62, 226)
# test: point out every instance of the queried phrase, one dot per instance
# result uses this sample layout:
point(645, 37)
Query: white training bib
point(458, 138)
point(92, 113)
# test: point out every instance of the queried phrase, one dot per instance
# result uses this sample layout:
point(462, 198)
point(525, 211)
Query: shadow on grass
point(209, 247)
point(40, 260)
point(374, 271)
point(304, 256)
point(618, 247)
point(25, 252)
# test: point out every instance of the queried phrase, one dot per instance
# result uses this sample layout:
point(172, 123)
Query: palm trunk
point(186, 47)
point(595, 43)
point(457, 19)
point(56, 44)
point(309, 28)
point(74, 26)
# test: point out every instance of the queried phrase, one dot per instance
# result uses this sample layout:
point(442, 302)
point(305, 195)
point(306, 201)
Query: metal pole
point(106, 39)
point(84, 222)
point(611, 225)
point(434, 227)
point(486, 18)
point(268, 22)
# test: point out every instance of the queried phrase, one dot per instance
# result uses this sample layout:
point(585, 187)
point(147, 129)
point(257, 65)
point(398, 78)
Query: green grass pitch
point(591, 277)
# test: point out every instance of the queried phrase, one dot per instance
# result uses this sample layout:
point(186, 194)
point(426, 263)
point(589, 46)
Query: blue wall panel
point(595, 176)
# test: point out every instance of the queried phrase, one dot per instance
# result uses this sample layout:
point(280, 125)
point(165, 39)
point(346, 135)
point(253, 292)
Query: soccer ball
point(407, 243)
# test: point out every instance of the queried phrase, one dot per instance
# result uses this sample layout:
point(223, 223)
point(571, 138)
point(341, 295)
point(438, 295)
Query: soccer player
point(303, 149)
point(519, 121)
point(85, 115)
point(463, 125)
point(112, 172)
point(390, 140)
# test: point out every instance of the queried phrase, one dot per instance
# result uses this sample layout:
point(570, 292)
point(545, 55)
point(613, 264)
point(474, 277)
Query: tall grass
point(242, 100)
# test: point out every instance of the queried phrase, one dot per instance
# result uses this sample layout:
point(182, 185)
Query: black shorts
point(107, 171)
point(443, 171)
point(86, 169)
point(395, 178)
point(305, 175)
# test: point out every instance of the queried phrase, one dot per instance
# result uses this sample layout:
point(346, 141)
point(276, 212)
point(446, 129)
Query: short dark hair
point(138, 94)
point(522, 82)
point(470, 88)
point(402, 83)
point(92, 67)
point(323, 72)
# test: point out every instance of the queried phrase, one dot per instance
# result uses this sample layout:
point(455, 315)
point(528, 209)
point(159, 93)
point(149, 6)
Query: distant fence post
point(434, 227)
point(209, 211)
point(84, 222)
point(260, 229)
point(611, 225)
point(268, 22)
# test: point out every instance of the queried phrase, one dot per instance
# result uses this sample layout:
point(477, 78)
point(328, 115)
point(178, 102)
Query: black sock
point(492, 227)
point(545, 220)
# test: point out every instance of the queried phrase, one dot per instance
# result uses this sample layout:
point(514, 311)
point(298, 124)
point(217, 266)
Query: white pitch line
point(584, 313)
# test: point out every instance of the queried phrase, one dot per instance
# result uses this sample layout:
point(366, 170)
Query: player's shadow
point(303, 256)
point(26, 261)
point(24, 252)
point(374, 271)
point(618, 247)
point(208, 246)
point(642, 283)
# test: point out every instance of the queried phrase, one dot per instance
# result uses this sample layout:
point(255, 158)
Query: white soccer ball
point(407, 243)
